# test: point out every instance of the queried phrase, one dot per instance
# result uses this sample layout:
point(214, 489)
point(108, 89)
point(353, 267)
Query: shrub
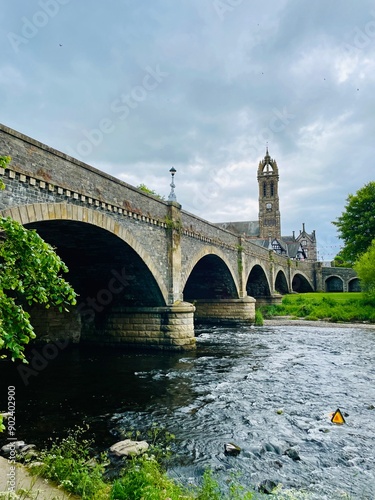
point(210, 489)
point(329, 301)
point(259, 321)
point(69, 463)
point(144, 479)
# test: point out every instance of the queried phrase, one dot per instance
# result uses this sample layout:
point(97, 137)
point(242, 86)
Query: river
point(270, 390)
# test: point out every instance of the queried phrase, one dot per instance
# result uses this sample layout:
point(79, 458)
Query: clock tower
point(269, 213)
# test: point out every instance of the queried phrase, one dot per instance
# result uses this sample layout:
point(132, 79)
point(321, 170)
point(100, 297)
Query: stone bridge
point(145, 270)
point(339, 279)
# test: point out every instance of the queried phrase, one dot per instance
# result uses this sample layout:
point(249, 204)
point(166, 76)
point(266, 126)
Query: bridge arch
point(39, 214)
point(334, 284)
point(257, 284)
point(281, 283)
point(209, 275)
point(354, 285)
point(301, 284)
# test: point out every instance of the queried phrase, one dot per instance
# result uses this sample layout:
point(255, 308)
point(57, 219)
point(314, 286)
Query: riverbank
point(334, 308)
point(290, 321)
point(32, 487)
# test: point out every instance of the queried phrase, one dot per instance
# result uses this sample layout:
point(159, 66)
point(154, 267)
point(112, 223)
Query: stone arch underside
point(102, 267)
point(334, 284)
point(354, 285)
point(210, 278)
point(301, 284)
point(257, 283)
point(68, 227)
point(281, 284)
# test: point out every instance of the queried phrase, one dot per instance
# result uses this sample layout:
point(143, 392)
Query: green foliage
point(30, 271)
point(240, 266)
point(280, 493)
point(159, 439)
point(4, 162)
point(259, 320)
point(145, 189)
point(339, 261)
point(365, 268)
point(173, 225)
point(2, 426)
point(144, 479)
point(335, 307)
point(68, 463)
point(210, 488)
point(356, 225)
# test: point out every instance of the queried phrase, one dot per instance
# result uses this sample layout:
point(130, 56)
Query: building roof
point(243, 228)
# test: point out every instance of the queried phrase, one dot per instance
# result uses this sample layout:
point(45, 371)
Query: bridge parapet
point(45, 168)
point(207, 232)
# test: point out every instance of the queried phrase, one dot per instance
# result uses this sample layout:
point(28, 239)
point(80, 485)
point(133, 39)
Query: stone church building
point(266, 231)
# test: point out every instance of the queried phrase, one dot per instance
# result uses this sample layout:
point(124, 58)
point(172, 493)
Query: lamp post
point(172, 195)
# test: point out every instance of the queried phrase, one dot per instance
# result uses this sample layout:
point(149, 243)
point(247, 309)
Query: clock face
point(268, 206)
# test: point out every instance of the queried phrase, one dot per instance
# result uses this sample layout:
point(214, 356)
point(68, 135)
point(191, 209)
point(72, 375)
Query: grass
point(70, 464)
point(335, 307)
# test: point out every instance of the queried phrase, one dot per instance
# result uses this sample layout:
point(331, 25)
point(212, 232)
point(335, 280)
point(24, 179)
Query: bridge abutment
point(170, 327)
point(225, 310)
point(269, 300)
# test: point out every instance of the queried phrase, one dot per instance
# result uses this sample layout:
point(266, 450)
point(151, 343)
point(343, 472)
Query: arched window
point(264, 189)
point(272, 188)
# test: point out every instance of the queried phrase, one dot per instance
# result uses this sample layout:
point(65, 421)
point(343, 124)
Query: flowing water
point(270, 390)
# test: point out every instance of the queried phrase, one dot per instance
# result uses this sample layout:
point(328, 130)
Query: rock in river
point(231, 449)
point(128, 448)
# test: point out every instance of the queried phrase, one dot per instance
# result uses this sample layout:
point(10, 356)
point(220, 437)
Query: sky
point(134, 87)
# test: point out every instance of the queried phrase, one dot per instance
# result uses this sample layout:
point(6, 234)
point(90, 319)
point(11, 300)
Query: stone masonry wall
point(225, 311)
point(346, 274)
point(36, 160)
point(22, 190)
point(170, 328)
point(51, 324)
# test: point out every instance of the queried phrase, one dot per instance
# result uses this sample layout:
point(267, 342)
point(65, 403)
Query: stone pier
point(225, 310)
point(271, 300)
point(170, 328)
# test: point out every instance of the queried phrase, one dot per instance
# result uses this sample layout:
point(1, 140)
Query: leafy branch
point(31, 272)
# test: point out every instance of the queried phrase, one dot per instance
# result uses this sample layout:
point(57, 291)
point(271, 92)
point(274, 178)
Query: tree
point(339, 261)
point(356, 225)
point(365, 268)
point(30, 272)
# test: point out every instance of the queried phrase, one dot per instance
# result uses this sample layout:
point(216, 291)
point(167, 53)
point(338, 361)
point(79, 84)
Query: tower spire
point(269, 212)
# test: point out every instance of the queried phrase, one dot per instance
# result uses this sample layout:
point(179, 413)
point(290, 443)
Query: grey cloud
point(277, 71)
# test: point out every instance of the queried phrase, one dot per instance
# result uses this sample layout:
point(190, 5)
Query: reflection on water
point(268, 389)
